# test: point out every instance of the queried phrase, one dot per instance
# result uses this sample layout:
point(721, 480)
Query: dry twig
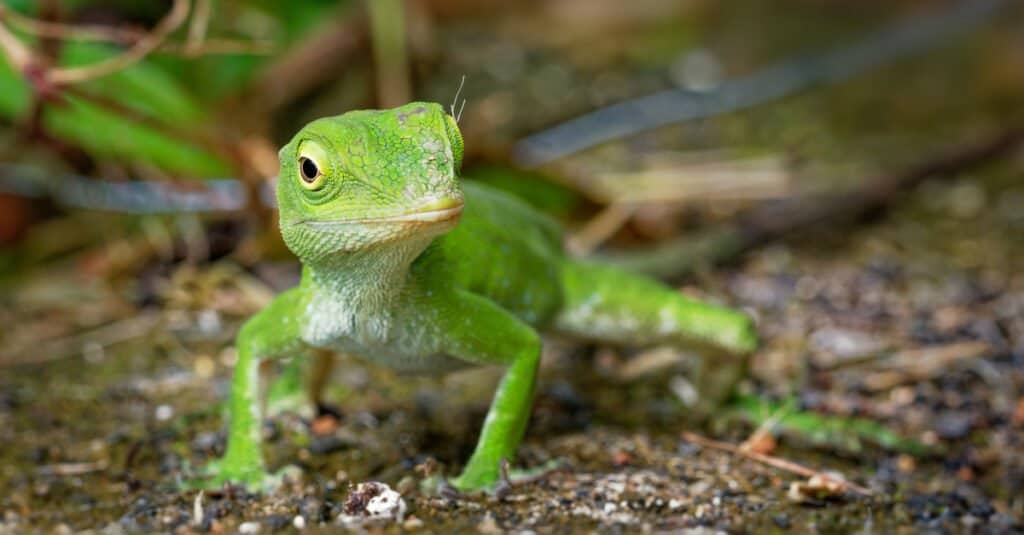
point(152, 40)
point(106, 335)
point(73, 469)
point(600, 228)
point(17, 54)
point(197, 28)
point(775, 462)
point(680, 257)
point(924, 363)
point(130, 36)
point(311, 62)
point(22, 58)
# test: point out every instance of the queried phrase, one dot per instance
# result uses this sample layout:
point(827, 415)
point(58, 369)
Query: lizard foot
point(222, 472)
point(499, 485)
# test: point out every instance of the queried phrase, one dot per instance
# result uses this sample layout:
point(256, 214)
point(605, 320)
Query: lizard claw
point(507, 479)
point(217, 475)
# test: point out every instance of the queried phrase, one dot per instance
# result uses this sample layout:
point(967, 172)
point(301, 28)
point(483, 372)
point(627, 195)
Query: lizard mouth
point(437, 211)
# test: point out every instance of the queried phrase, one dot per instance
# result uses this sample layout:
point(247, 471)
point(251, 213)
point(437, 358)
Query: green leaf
point(142, 87)
point(849, 434)
point(108, 135)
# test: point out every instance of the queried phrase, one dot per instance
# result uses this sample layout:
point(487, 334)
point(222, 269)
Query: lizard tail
point(606, 304)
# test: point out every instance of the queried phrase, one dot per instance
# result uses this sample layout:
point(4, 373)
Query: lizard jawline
point(413, 219)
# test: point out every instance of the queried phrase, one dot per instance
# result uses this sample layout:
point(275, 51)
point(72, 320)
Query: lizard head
point(370, 178)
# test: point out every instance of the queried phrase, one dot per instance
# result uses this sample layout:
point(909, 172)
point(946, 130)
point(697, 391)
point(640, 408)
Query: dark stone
point(953, 425)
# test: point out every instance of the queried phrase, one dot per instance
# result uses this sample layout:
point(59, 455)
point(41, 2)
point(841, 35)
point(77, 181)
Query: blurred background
point(850, 173)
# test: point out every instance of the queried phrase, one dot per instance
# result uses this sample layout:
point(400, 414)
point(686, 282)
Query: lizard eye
point(310, 173)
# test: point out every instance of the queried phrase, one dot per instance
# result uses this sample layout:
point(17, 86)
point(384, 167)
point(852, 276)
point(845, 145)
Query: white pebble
point(387, 504)
point(164, 413)
point(249, 528)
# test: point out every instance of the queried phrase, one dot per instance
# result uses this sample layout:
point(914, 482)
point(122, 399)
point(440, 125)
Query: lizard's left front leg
point(481, 332)
point(273, 332)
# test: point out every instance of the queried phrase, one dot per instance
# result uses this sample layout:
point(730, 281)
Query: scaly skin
point(370, 203)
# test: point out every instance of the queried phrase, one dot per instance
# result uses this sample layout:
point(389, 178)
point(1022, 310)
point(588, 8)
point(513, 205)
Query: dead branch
point(130, 36)
point(197, 28)
point(107, 335)
point(219, 46)
point(311, 63)
point(17, 54)
point(56, 30)
point(391, 59)
point(775, 462)
point(152, 40)
point(922, 364)
point(897, 40)
point(680, 257)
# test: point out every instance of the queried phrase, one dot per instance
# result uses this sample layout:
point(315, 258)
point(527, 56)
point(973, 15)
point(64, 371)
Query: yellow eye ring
point(310, 175)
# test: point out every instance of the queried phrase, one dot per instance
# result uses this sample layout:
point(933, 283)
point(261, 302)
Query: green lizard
point(371, 205)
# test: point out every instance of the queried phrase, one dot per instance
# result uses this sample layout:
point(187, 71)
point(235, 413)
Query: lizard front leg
point(273, 332)
point(481, 332)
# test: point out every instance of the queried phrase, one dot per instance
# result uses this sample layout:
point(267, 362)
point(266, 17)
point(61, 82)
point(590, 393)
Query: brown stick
point(775, 462)
point(197, 28)
point(17, 53)
point(172, 21)
point(58, 30)
point(129, 36)
point(313, 62)
point(680, 257)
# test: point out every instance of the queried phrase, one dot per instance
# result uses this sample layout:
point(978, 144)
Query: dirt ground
point(893, 357)
point(97, 437)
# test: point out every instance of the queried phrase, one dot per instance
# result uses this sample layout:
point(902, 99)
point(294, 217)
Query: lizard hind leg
point(299, 387)
point(605, 304)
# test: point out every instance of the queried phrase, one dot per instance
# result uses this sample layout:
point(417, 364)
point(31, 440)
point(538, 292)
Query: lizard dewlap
point(406, 267)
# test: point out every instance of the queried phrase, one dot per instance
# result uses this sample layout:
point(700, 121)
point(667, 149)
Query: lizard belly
point(400, 345)
point(401, 359)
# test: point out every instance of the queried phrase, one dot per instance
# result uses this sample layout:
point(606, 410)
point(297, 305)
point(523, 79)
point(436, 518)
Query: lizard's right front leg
point(273, 332)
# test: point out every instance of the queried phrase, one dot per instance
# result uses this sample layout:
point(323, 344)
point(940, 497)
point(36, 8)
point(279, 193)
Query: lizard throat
point(372, 270)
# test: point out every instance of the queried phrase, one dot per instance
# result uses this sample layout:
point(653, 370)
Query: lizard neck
point(367, 281)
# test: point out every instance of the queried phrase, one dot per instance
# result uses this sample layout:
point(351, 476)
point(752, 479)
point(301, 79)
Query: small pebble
point(249, 527)
point(164, 413)
point(953, 425)
point(204, 367)
point(373, 500)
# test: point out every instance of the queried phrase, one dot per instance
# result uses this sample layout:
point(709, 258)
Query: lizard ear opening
point(455, 139)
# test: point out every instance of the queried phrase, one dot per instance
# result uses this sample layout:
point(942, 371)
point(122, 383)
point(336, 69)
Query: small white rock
point(387, 504)
point(209, 321)
point(383, 504)
point(299, 522)
point(247, 528)
point(164, 413)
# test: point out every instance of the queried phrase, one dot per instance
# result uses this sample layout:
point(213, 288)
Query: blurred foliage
point(161, 112)
point(847, 434)
point(532, 187)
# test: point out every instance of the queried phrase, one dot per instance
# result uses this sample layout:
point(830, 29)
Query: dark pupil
point(309, 170)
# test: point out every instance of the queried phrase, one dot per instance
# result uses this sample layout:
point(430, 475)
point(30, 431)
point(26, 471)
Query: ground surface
point(901, 336)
